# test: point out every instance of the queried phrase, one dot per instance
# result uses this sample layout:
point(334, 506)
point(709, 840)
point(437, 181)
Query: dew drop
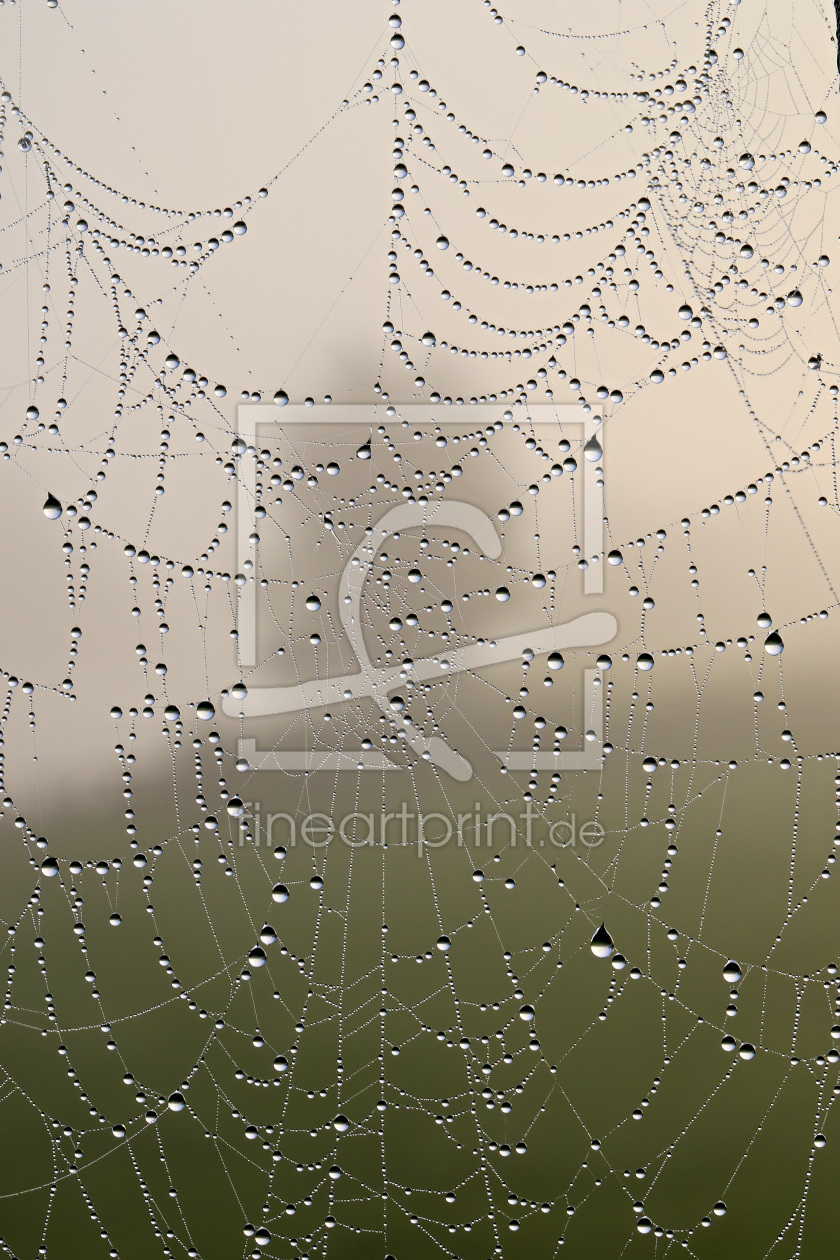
point(774, 644)
point(602, 943)
point(52, 508)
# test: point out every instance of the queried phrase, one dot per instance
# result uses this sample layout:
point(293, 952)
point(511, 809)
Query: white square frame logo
point(596, 628)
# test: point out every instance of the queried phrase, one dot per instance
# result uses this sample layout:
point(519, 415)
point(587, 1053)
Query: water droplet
point(555, 661)
point(205, 711)
point(746, 160)
point(176, 1102)
point(49, 867)
point(341, 1124)
point(256, 958)
point(592, 450)
point(52, 508)
point(527, 1013)
point(313, 603)
point(442, 242)
point(774, 644)
point(279, 893)
point(645, 662)
point(747, 1051)
point(502, 594)
point(732, 972)
point(235, 807)
point(281, 398)
point(444, 943)
point(602, 943)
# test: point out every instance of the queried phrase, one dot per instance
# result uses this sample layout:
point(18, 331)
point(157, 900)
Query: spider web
point(222, 1031)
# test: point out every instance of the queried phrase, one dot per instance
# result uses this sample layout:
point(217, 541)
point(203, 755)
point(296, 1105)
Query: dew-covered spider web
point(420, 743)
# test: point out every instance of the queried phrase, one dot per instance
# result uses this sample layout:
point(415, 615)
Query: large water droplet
point(52, 508)
point(602, 943)
point(774, 644)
